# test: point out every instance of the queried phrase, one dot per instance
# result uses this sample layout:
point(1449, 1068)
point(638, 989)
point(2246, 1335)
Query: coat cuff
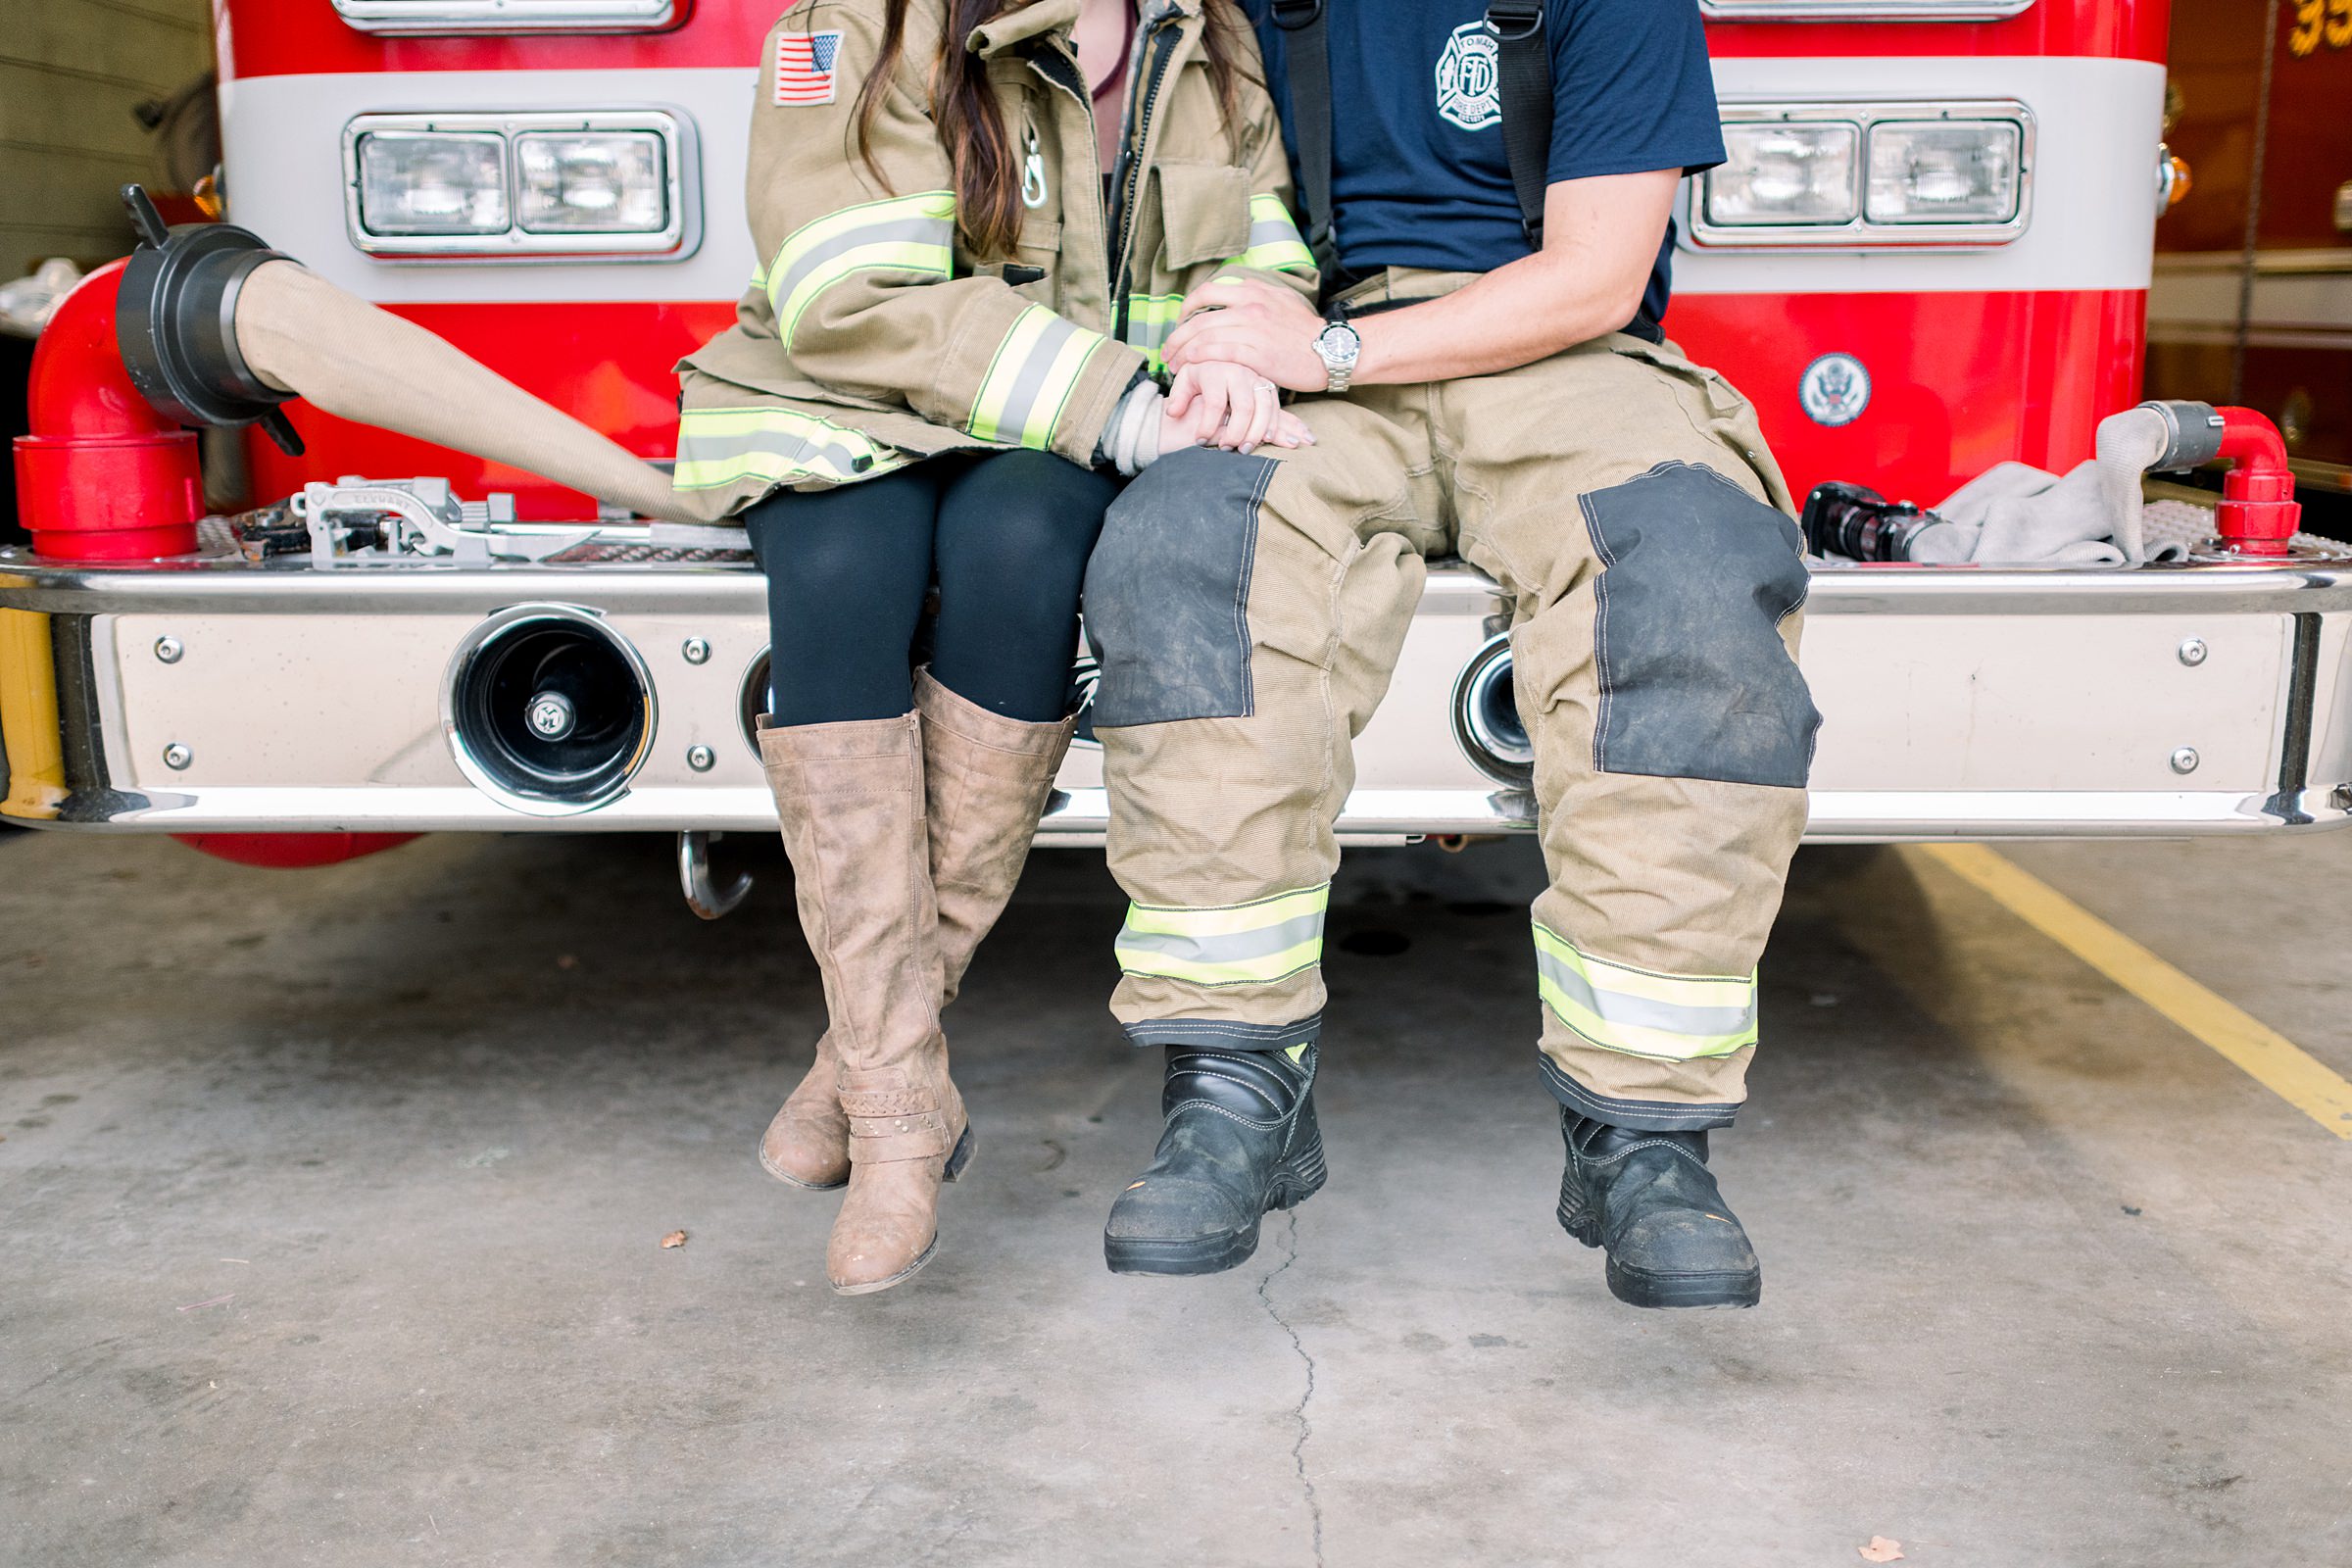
point(1111, 369)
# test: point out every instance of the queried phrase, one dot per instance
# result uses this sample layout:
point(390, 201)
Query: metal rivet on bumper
point(697, 650)
point(177, 757)
point(2184, 759)
point(2193, 652)
point(169, 649)
point(701, 759)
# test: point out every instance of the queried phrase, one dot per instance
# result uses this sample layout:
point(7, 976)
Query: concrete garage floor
point(330, 1205)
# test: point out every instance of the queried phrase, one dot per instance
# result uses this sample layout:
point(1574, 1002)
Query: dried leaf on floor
point(1881, 1549)
point(678, 1239)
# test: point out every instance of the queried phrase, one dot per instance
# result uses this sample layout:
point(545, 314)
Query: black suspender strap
point(1524, 74)
point(1525, 78)
point(1307, 54)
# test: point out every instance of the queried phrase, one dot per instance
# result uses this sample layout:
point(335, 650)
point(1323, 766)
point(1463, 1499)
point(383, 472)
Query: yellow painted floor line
point(2262, 1053)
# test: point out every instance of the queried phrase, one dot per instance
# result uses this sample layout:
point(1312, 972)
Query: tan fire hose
point(301, 334)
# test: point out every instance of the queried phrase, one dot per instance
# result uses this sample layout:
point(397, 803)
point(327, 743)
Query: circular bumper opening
point(753, 700)
point(1486, 719)
point(548, 709)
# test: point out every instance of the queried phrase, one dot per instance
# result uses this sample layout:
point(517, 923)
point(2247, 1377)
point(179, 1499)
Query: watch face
point(1340, 343)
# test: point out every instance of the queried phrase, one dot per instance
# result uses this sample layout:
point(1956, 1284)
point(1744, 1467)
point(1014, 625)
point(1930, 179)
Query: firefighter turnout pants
point(1247, 611)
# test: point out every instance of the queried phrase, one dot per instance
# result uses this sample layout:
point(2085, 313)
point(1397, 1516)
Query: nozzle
point(176, 323)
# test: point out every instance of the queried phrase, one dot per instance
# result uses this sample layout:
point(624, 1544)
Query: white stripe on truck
point(2093, 214)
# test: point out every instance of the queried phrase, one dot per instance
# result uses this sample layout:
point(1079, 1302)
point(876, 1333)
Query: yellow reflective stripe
point(1030, 381)
point(721, 446)
point(1275, 244)
point(1640, 1011)
point(1246, 944)
point(914, 234)
point(1151, 317)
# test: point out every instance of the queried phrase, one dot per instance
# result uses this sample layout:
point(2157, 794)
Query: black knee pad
point(1167, 590)
point(1696, 577)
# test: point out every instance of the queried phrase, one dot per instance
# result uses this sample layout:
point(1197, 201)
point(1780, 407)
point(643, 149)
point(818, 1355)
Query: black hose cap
point(176, 323)
point(2193, 433)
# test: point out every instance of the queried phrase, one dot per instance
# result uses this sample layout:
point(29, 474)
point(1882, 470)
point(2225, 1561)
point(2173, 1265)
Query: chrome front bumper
point(221, 696)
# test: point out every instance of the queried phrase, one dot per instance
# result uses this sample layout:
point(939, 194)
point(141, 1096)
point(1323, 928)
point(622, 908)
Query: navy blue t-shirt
point(1419, 177)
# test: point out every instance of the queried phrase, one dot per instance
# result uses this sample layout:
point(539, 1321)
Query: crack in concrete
point(1306, 1428)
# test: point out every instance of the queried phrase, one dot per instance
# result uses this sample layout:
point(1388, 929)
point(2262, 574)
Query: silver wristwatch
point(1338, 348)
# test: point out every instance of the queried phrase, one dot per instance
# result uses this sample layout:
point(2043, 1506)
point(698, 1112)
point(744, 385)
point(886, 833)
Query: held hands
point(1269, 329)
point(1217, 402)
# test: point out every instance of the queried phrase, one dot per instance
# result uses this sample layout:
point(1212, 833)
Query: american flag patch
point(805, 67)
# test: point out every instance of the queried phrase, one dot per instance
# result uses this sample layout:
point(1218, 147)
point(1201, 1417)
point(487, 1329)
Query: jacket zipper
point(1159, 46)
point(1059, 67)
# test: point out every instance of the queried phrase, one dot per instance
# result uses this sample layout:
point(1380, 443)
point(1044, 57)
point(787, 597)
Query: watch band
point(1337, 375)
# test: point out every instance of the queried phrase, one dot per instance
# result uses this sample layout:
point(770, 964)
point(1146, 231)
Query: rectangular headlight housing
point(1944, 172)
point(531, 185)
point(413, 183)
point(428, 18)
point(1866, 176)
point(1781, 172)
point(591, 183)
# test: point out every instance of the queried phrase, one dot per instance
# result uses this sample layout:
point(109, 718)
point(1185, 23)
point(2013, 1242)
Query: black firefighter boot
point(1650, 1200)
point(1241, 1141)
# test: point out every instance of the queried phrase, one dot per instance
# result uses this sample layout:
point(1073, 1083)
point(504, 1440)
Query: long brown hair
point(988, 168)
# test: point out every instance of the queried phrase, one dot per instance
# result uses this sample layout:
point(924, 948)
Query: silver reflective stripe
point(1032, 379)
point(696, 446)
point(1644, 1012)
point(1273, 231)
point(902, 230)
point(1234, 948)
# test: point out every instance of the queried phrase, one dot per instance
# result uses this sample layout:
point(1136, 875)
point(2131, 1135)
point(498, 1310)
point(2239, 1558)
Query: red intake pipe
point(103, 476)
point(2259, 512)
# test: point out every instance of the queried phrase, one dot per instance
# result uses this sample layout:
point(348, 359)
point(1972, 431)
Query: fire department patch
point(805, 67)
point(1469, 86)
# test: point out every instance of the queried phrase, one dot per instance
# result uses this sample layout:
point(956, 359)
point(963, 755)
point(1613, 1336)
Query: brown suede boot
point(808, 1143)
point(850, 798)
point(987, 780)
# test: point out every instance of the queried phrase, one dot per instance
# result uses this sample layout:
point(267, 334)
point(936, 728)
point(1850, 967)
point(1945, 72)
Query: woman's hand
point(1226, 405)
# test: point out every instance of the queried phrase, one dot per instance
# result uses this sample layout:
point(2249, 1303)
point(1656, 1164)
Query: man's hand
point(1600, 240)
point(1269, 329)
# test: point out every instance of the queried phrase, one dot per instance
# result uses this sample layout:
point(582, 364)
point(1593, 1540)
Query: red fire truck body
point(2012, 347)
point(1930, 253)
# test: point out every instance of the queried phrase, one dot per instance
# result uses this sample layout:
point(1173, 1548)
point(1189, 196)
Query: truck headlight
point(1944, 171)
point(607, 183)
point(454, 17)
point(527, 185)
point(432, 184)
point(1861, 176)
point(1785, 173)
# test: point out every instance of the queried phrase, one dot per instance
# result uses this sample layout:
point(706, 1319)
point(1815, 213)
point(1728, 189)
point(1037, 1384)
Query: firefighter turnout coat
point(871, 337)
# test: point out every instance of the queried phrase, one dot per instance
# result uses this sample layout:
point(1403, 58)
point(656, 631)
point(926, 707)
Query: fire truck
point(2252, 300)
point(1929, 252)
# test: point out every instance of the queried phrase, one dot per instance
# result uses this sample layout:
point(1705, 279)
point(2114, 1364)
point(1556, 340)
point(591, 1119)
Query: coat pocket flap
point(1203, 211)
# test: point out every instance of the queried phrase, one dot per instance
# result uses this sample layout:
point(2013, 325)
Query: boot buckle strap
point(879, 1140)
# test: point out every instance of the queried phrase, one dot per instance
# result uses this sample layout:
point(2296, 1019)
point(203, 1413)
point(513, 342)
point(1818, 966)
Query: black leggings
point(1006, 535)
